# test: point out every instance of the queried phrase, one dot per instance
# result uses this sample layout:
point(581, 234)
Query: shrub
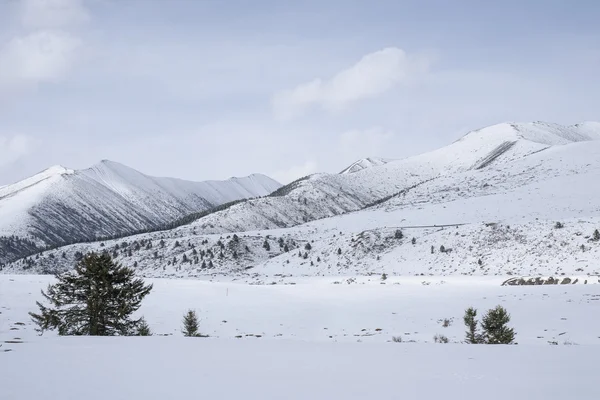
point(559, 225)
point(440, 339)
point(397, 339)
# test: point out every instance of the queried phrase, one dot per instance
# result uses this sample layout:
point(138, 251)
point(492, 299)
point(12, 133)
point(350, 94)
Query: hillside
point(59, 205)
point(511, 199)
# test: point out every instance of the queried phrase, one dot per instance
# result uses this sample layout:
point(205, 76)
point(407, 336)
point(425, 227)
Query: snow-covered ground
point(339, 310)
point(177, 368)
point(313, 340)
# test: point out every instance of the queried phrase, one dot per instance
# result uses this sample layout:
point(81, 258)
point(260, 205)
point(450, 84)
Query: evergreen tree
point(398, 234)
point(414, 241)
point(494, 327)
point(596, 235)
point(266, 245)
point(190, 324)
point(432, 249)
point(472, 335)
point(143, 329)
point(339, 251)
point(286, 248)
point(236, 238)
point(442, 249)
point(307, 246)
point(97, 298)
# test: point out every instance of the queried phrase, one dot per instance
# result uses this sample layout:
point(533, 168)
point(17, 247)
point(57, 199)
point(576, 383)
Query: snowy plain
point(315, 339)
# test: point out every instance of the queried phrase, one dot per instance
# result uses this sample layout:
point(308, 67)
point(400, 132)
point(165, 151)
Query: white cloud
point(46, 48)
point(373, 75)
point(38, 57)
point(52, 14)
point(15, 147)
point(297, 171)
point(372, 142)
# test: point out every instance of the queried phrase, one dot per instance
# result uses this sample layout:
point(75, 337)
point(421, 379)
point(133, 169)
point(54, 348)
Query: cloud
point(52, 14)
point(372, 142)
point(40, 56)
point(373, 75)
point(14, 148)
point(297, 171)
point(46, 48)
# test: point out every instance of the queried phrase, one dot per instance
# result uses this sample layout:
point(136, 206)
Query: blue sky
point(214, 89)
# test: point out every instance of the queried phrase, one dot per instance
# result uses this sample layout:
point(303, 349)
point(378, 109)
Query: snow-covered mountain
point(60, 205)
point(364, 164)
point(510, 199)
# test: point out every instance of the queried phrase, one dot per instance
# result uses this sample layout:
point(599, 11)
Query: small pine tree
point(177, 244)
point(414, 241)
point(318, 259)
point(398, 234)
point(432, 249)
point(596, 235)
point(494, 327)
point(266, 245)
point(472, 335)
point(339, 251)
point(384, 276)
point(143, 329)
point(286, 248)
point(307, 246)
point(190, 324)
point(236, 238)
point(442, 249)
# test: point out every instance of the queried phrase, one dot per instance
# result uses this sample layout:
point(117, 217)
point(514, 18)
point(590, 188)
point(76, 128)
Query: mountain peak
point(364, 163)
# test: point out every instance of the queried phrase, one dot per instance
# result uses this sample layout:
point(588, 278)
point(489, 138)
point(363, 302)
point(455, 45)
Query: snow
point(109, 199)
point(500, 218)
point(165, 368)
point(315, 339)
point(364, 164)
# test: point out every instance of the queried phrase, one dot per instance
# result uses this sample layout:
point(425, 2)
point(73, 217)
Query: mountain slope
point(60, 205)
point(364, 164)
point(491, 199)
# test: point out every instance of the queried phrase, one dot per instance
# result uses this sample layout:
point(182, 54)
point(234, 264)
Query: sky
point(213, 89)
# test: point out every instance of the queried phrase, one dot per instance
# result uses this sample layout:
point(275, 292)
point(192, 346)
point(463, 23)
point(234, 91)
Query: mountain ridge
point(476, 206)
point(60, 205)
